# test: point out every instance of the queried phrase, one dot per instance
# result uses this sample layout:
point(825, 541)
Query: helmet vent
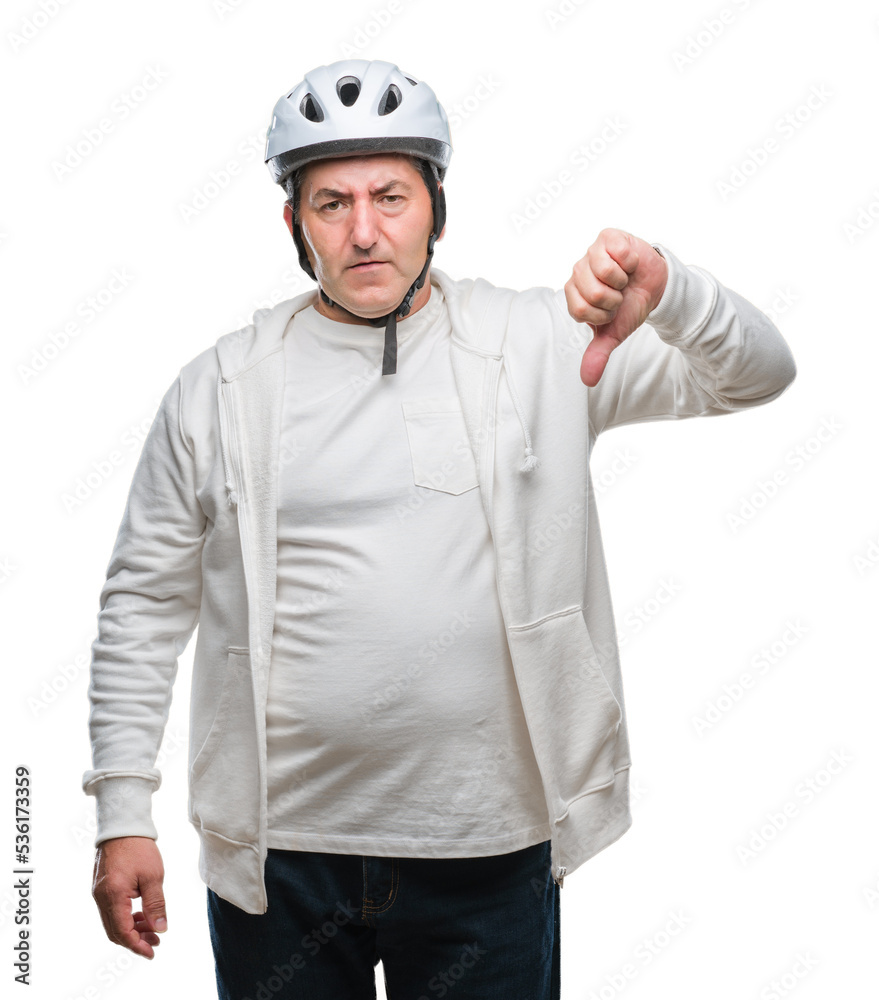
point(413, 82)
point(390, 100)
point(310, 109)
point(348, 89)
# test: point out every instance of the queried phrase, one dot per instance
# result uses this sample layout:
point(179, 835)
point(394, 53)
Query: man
point(407, 718)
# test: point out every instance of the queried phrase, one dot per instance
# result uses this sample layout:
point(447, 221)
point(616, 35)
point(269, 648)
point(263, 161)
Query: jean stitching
point(392, 895)
point(365, 899)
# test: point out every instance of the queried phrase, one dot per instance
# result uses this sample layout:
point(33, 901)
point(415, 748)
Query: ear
point(288, 217)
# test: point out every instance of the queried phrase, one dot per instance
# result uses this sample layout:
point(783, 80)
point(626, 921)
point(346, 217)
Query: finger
point(142, 926)
point(618, 244)
point(583, 311)
point(119, 924)
point(606, 269)
point(596, 355)
point(594, 290)
point(592, 367)
point(126, 933)
point(153, 900)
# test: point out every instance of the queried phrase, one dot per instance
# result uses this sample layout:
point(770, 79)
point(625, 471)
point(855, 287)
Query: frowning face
point(365, 223)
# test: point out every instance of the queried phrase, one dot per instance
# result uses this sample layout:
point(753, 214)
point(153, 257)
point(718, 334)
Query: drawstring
point(233, 496)
point(531, 460)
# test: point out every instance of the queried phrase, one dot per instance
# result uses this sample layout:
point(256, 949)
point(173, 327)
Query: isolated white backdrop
point(697, 93)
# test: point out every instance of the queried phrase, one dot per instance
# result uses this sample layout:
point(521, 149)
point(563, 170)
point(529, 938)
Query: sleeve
point(702, 351)
point(149, 608)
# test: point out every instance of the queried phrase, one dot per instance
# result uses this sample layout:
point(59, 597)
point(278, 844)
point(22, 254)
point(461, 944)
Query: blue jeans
point(463, 928)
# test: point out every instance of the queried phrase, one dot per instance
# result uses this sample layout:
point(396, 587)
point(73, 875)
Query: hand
point(613, 288)
point(127, 868)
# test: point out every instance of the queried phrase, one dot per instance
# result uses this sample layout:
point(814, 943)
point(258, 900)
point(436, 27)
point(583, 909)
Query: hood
point(479, 314)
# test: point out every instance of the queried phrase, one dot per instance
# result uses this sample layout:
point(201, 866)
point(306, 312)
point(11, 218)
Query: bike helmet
point(361, 106)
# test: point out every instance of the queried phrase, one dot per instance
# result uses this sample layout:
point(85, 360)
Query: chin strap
point(389, 357)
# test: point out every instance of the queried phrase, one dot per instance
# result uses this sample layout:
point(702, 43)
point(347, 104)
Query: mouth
point(369, 265)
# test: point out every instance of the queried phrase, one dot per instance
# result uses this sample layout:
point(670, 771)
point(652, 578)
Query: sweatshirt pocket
point(571, 711)
point(438, 445)
point(223, 777)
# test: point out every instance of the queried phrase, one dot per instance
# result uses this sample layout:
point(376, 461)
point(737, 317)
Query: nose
point(364, 224)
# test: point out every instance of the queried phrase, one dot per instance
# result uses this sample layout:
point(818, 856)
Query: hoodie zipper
point(231, 492)
point(237, 494)
point(491, 403)
point(236, 497)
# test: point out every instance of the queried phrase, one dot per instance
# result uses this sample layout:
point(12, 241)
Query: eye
point(397, 196)
point(328, 204)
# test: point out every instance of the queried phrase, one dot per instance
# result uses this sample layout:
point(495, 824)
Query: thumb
point(153, 900)
point(595, 357)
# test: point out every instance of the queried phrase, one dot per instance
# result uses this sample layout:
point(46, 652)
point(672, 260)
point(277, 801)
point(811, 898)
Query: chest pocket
point(438, 444)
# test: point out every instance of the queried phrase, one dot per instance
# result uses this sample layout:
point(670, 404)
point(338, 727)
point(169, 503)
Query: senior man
point(407, 719)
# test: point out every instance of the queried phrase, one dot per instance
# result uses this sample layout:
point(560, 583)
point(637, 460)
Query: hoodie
point(198, 546)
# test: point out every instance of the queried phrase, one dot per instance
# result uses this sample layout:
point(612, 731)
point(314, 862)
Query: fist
point(613, 289)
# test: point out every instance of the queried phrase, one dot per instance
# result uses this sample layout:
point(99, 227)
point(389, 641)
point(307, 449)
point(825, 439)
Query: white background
point(532, 82)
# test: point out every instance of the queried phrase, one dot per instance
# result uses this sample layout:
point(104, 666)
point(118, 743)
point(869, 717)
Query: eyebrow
point(333, 193)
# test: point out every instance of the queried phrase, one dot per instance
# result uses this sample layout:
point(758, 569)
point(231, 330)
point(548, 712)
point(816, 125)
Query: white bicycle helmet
point(361, 106)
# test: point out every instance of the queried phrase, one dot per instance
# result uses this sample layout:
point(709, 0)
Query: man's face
point(365, 222)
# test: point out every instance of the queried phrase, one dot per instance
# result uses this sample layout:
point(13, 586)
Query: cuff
point(687, 299)
point(123, 804)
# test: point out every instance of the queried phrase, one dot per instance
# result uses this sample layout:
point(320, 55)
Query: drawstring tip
point(233, 494)
point(531, 461)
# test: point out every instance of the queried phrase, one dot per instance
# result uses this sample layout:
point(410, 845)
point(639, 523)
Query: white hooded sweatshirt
point(198, 546)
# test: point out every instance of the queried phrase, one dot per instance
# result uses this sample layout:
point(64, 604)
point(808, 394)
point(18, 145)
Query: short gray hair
point(291, 182)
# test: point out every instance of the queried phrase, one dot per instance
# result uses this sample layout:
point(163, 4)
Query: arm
point(695, 349)
point(149, 608)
